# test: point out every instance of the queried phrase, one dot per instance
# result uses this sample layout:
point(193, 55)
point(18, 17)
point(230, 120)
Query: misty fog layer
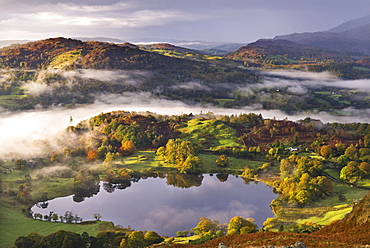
point(45, 81)
point(310, 80)
point(21, 132)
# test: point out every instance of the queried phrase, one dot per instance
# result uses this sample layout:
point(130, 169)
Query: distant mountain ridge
point(351, 24)
point(101, 39)
point(285, 50)
point(353, 36)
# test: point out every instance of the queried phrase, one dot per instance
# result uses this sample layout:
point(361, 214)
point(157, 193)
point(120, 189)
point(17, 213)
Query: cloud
point(43, 86)
point(94, 8)
point(190, 20)
point(37, 89)
point(234, 208)
point(301, 74)
point(4, 78)
point(129, 77)
point(311, 80)
point(192, 85)
point(297, 89)
point(54, 171)
point(66, 19)
point(147, 18)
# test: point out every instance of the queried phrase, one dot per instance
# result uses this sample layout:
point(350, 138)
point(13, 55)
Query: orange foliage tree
point(128, 147)
point(92, 155)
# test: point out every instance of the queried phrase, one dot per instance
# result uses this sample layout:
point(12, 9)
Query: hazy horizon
point(242, 21)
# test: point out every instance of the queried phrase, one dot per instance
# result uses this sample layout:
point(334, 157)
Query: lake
point(171, 204)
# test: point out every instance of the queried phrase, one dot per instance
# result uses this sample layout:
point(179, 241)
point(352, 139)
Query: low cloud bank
point(50, 80)
point(310, 80)
point(129, 77)
point(301, 74)
point(28, 133)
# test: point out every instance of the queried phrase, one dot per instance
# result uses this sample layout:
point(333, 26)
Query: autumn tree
point(192, 164)
point(117, 176)
point(103, 150)
point(23, 242)
point(287, 167)
point(97, 216)
point(302, 180)
point(84, 180)
point(177, 150)
point(182, 233)
point(249, 173)
point(24, 192)
point(367, 140)
point(365, 168)
point(341, 147)
point(128, 147)
point(270, 223)
point(325, 151)
point(364, 154)
point(111, 157)
point(135, 240)
point(352, 153)
point(222, 160)
point(239, 225)
point(55, 157)
point(351, 172)
point(92, 155)
point(206, 225)
point(342, 160)
point(20, 164)
point(152, 237)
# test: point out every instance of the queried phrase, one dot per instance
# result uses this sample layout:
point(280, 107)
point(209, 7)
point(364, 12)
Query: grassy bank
point(15, 224)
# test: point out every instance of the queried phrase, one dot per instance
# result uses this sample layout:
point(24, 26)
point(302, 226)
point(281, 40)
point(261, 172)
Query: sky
point(241, 21)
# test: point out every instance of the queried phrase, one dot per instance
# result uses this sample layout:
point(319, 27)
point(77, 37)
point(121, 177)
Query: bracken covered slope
point(63, 53)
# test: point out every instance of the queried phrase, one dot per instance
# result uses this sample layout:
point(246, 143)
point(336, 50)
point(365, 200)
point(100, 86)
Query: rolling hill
point(163, 69)
point(286, 52)
point(65, 53)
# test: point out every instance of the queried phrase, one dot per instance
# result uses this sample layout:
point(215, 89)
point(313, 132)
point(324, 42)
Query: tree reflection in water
point(177, 180)
point(89, 192)
point(183, 181)
point(222, 177)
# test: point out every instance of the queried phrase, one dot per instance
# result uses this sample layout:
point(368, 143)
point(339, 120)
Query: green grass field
point(185, 240)
point(143, 160)
point(328, 217)
point(222, 102)
point(212, 132)
point(151, 161)
point(14, 224)
point(237, 165)
point(361, 68)
point(8, 100)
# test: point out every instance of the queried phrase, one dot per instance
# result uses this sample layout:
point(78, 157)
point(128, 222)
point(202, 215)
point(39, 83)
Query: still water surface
point(152, 204)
